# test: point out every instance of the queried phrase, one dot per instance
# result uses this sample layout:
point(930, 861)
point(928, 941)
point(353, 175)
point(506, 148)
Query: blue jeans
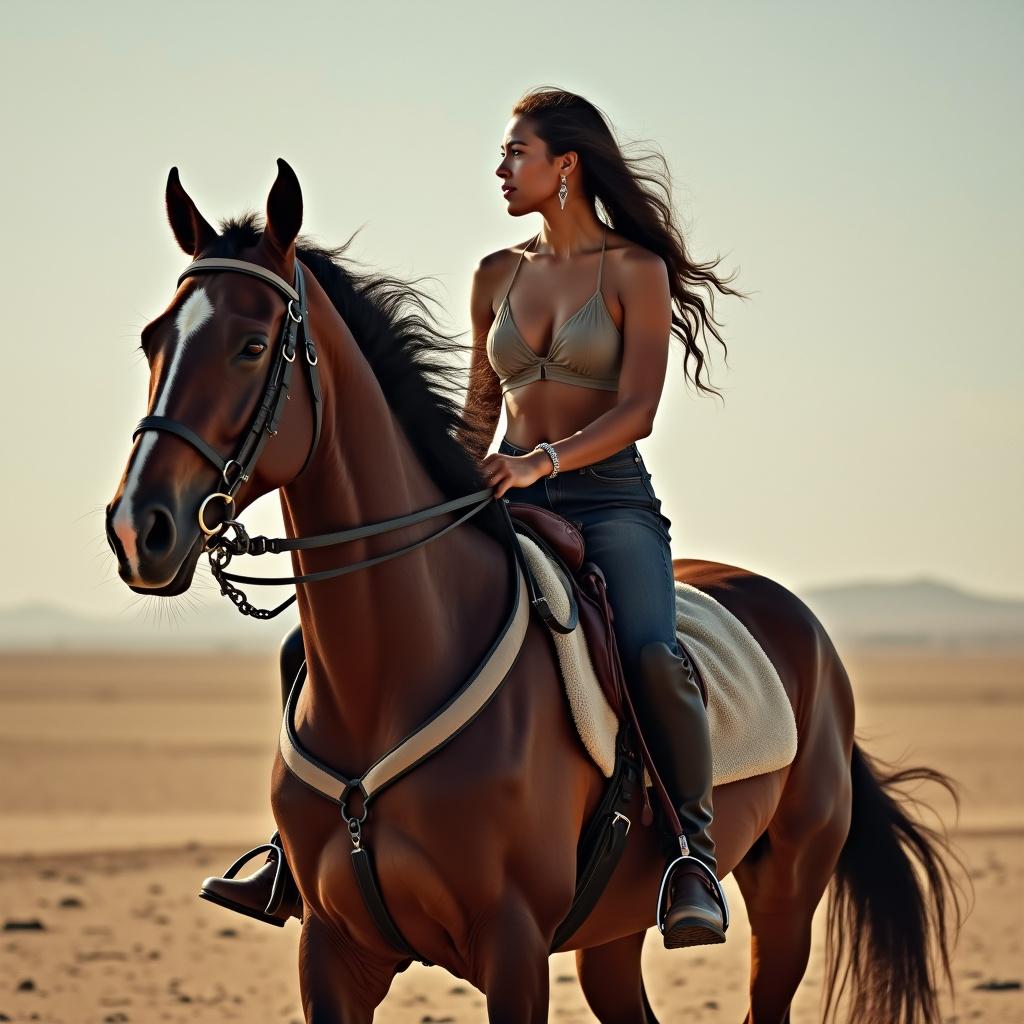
point(614, 506)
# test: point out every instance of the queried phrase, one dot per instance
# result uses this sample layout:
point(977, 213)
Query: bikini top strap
point(519, 262)
point(600, 265)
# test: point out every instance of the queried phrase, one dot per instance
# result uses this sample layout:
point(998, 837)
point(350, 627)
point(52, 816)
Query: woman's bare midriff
point(548, 410)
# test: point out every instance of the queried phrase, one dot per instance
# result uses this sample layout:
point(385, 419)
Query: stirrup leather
point(661, 911)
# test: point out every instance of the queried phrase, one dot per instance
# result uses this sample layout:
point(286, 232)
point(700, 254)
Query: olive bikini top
point(586, 350)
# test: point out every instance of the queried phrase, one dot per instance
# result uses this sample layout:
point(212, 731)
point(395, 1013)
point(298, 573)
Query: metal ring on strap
point(226, 498)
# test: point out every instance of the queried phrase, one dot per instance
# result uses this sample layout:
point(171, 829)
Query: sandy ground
point(125, 780)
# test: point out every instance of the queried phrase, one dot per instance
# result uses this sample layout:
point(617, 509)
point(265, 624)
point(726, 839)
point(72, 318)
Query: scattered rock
point(711, 1005)
point(458, 990)
point(26, 924)
point(228, 933)
point(564, 979)
point(70, 901)
point(116, 1018)
point(26, 985)
point(997, 986)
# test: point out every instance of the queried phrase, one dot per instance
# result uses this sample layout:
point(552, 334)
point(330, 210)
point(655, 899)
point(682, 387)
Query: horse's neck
point(386, 645)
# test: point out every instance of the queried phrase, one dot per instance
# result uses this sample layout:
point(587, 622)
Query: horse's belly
point(742, 811)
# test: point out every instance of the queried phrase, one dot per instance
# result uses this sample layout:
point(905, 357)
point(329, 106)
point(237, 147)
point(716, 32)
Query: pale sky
point(860, 165)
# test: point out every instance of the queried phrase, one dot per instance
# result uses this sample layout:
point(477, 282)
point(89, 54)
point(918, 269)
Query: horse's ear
point(284, 213)
point(188, 224)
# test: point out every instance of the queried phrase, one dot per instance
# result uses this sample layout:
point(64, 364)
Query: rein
point(218, 546)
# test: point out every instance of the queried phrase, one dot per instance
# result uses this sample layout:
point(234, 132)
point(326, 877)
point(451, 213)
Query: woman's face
point(525, 169)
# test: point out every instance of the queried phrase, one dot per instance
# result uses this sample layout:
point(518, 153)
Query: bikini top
point(586, 350)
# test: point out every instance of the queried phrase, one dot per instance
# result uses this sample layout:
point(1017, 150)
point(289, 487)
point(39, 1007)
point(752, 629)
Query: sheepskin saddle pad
point(753, 730)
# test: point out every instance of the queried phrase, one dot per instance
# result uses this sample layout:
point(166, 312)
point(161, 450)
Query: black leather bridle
point(236, 470)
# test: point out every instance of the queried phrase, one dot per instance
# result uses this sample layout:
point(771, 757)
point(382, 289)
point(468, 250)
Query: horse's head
point(219, 360)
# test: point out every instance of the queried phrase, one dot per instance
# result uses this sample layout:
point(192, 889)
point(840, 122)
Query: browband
point(243, 267)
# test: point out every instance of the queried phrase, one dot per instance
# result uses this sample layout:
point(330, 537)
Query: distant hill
point(150, 625)
point(921, 611)
point(917, 611)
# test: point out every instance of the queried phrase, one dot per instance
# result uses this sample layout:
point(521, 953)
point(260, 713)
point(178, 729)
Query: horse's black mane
point(410, 357)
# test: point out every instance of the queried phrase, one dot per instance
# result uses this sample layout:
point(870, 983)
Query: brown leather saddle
point(558, 536)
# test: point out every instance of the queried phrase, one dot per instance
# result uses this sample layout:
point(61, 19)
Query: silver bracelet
point(552, 454)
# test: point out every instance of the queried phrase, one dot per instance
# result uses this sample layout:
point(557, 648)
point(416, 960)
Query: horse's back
point(788, 631)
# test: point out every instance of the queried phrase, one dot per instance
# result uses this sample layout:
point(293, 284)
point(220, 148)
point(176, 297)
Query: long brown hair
point(637, 200)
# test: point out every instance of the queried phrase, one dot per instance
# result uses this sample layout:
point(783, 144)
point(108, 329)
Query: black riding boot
point(672, 714)
point(268, 894)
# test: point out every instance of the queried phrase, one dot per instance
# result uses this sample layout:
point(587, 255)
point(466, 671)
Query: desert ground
point(125, 779)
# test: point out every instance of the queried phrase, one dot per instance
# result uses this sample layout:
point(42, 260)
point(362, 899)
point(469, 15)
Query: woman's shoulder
point(501, 257)
point(635, 271)
point(493, 270)
point(629, 252)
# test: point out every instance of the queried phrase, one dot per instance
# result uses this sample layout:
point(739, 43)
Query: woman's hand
point(504, 471)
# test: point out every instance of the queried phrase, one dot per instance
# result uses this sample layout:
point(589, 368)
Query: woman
point(578, 396)
point(577, 399)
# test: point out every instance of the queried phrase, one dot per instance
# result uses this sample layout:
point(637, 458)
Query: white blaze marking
point(194, 312)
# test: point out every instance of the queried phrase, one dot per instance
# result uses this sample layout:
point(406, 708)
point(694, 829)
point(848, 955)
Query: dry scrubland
point(124, 780)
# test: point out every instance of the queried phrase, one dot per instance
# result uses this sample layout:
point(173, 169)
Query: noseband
point(236, 470)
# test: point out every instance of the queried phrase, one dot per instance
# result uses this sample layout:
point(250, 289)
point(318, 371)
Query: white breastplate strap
point(446, 723)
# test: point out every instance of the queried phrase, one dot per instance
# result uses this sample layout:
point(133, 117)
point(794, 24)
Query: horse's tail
point(892, 896)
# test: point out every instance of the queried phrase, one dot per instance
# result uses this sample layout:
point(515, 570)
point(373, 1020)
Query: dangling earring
point(563, 191)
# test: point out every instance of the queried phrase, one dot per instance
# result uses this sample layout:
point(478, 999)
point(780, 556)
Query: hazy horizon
point(858, 168)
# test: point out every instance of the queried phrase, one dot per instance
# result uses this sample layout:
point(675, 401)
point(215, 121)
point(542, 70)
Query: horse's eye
point(255, 348)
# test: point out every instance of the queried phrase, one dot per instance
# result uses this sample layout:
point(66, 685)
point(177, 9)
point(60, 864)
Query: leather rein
point(219, 546)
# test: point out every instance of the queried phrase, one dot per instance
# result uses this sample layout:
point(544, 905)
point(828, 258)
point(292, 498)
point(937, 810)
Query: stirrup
point(661, 911)
point(280, 887)
point(277, 886)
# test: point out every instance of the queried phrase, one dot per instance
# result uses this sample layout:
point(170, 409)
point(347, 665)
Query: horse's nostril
point(158, 533)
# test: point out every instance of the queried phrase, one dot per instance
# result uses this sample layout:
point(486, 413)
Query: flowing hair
point(637, 200)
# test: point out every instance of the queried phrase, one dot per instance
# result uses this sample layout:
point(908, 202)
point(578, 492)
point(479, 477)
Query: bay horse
point(476, 848)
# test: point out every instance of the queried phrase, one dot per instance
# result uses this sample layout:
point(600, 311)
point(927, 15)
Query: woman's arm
point(482, 410)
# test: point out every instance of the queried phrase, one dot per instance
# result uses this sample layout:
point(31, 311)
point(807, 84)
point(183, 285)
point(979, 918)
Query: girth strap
point(362, 864)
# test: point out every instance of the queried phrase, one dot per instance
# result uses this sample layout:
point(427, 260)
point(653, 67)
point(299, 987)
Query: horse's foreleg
point(611, 981)
point(514, 966)
point(339, 984)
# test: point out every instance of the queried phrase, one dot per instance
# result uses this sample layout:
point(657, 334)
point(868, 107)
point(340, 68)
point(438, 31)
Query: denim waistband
point(630, 449)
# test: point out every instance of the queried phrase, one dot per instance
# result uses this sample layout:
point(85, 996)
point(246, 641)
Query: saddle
point(752, 721)
point(557, 536)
